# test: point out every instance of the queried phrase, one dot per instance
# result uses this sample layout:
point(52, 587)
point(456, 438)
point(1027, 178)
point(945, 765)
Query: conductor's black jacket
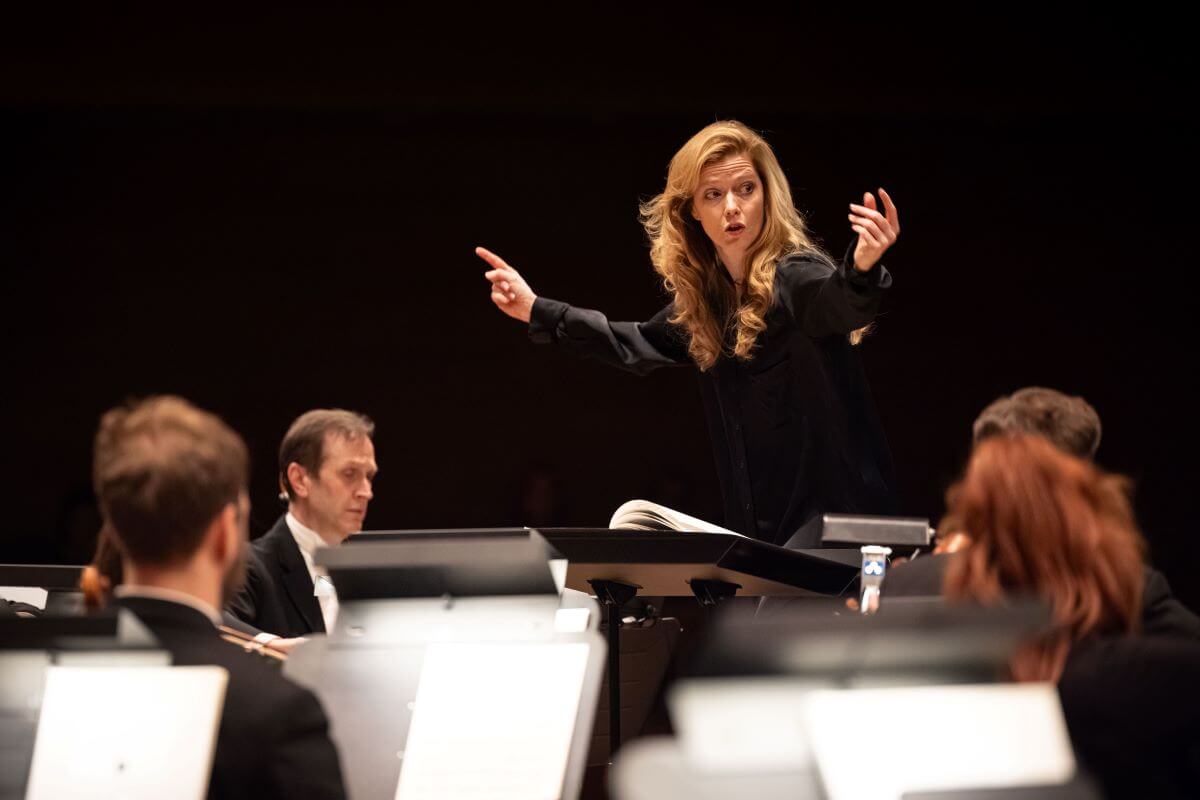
point(794, 430)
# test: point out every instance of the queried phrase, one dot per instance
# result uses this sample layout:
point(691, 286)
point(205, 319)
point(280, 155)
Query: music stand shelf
point(45, 576)
point(664, 563)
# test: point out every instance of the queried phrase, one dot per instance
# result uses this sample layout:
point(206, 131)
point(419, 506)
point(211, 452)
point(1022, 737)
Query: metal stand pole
point(613, 595)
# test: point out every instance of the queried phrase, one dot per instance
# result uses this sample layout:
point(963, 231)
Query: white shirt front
point(308, 541)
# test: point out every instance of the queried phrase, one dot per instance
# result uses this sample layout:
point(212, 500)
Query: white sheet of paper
point(25, 594)
point(493, 721)
point(937, 737)
point(558, 571)
point(140, 733)
point(571, 620)
point(742, 725)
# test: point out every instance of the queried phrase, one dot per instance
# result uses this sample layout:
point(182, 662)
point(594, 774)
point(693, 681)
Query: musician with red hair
point(1049, 525)
point(1045, 524)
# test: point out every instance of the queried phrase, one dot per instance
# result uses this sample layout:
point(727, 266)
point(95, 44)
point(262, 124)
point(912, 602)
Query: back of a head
point(163, 470)
point(1070, 423)
point(1046, 524)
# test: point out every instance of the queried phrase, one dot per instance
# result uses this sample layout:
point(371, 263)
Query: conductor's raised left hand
point(876, 232)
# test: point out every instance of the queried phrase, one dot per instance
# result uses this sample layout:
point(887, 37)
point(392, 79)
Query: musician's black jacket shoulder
point(273, 741)
point(277, 595)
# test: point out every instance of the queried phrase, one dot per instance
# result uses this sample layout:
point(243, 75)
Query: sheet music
point(644, 515)
point(493, 721)
point(25, 594)
point(141, 733)
point(558, 571)
point(967, 736)
point(736, 726)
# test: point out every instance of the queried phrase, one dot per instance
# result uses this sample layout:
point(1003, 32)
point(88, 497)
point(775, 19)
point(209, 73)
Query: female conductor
point(767, 319)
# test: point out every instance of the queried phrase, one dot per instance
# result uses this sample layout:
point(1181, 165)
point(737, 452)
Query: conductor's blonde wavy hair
point(707, 305)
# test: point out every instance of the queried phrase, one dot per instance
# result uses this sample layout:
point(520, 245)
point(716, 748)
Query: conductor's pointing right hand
point(510, 292)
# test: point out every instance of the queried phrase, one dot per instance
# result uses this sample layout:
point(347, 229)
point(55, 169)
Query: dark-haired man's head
point(171, 481)
point(1070, 423)
point(326, 469)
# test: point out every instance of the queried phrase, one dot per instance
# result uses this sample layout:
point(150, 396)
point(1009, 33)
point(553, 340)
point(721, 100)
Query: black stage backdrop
point(276, 211)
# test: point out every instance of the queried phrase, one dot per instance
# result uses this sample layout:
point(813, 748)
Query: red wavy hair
point(100, 577)
point(1046, 524)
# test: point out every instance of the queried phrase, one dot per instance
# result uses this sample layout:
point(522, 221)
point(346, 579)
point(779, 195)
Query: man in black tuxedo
point(171, 482)
point(326, 469)
point(1072, 425)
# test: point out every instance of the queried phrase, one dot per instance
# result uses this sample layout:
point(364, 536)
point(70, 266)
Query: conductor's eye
point(711, 194)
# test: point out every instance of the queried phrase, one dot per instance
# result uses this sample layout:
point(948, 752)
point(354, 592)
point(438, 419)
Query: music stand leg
point(613, 595)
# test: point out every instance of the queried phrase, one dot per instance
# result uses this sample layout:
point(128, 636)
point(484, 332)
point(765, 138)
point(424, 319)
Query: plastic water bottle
point(874, 567)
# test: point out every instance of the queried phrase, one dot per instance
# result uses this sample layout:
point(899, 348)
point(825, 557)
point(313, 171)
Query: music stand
point(29, 647)
point(408, 597)
point(921, 642)
point(617, 564)
point(142, 733)
point(738, 716)
point(61, 584)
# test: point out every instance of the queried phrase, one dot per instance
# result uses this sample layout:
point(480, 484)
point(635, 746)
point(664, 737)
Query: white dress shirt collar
point(308, 541)
point(306, 538)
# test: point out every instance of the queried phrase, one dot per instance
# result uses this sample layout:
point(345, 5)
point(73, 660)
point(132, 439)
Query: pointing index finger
point(491, 258)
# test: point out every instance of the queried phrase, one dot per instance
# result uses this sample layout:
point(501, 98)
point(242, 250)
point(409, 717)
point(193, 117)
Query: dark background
point(275, 210)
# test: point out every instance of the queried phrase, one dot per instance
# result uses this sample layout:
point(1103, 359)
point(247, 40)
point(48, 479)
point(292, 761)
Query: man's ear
point(298, 478)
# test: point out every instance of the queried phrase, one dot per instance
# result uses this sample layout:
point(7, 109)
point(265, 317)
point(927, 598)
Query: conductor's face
point(728, 203)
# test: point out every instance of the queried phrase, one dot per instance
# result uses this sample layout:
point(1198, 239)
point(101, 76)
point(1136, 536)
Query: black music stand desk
point(615, 565)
